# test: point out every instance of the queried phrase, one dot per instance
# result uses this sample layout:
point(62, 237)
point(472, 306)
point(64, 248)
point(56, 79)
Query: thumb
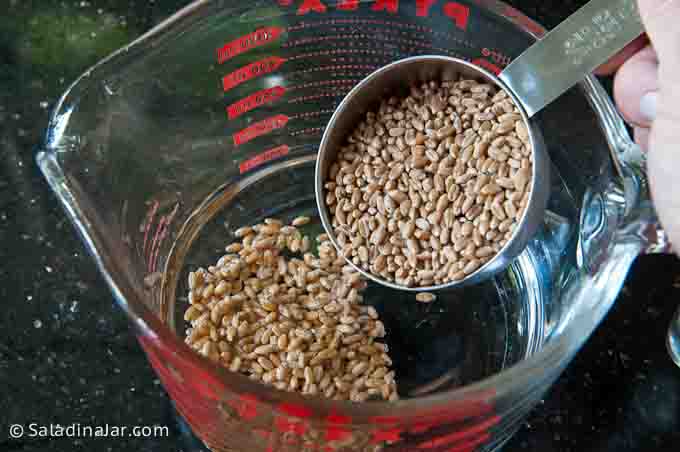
point(661, 18)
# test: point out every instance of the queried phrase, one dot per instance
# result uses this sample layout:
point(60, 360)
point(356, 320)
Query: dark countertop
point(67, 354)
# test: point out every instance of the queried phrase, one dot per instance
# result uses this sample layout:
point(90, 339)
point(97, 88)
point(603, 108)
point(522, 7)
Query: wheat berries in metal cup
point(431, 175)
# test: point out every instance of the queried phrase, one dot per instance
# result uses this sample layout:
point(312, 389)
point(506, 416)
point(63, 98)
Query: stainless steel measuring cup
point(543, 72)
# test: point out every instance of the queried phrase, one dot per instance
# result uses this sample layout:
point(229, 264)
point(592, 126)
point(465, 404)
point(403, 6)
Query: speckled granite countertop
point(67, 355)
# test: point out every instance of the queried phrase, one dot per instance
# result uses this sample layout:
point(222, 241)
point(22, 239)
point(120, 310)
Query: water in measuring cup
point(465, 335)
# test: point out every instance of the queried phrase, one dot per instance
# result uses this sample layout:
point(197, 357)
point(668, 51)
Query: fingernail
point(648, 105)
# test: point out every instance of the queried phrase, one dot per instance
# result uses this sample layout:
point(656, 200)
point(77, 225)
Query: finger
point(663, 162)
point(617, 60)
point(635, 87)
point(642, 137)
point(660, 18)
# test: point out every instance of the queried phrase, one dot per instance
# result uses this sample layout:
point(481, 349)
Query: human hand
point(647, 92)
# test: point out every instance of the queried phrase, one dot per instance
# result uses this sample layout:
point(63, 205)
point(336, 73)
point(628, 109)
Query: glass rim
point(532, 372)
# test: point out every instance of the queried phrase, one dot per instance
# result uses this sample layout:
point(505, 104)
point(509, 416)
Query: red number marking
point(423, 7)
point(257, 38)
point(260, 128)
point(489, 66)
point(255, 100)
point(266, 156)
point(251, 71)
point(390, 5)
point(348, 5)
point(460, 14)
point(311, 5)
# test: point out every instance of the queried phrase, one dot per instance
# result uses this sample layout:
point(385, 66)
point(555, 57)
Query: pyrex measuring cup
point(211, 121)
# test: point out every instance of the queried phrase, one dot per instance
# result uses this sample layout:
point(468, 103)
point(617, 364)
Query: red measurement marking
point(159, 238)
point(373, 35)
point(238, 46)
point(288, 425)
point(471, 445)
point(260, 128)
point(344, 54)
point(246, 406)
point(148, 222)
point(311, 5)
point(384, 420)
point(255, 100)
point(264, 434)
point(251, 71)
point(295, 410)
point(348, 5)
point(335, 430)
point(311, 114)
point(310, 131)
point(486, 64)
point(422, 427)
point(349, 81)
point(457, 415)
point(423, 7)
point(392, 27)
point(266, 156)
point(159, 228)
point(460, 14)
point(473, 432)
point(379, 436)
point(337, 69)
point(316, 96)
point(168, 222)
point(391, 6)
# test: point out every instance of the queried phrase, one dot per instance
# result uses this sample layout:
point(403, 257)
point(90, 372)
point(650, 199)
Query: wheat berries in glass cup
point(430, 175)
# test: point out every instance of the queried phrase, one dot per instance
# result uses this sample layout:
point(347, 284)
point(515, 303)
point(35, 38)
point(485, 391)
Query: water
point(465, 335)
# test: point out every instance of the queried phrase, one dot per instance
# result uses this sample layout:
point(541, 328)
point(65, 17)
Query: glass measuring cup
point(211, 121)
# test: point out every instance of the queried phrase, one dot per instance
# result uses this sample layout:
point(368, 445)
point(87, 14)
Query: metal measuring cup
point(542, 73)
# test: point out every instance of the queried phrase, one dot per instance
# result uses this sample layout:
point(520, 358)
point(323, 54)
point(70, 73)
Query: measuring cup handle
point(673, 339)
point(641, 220)
point(643, 223)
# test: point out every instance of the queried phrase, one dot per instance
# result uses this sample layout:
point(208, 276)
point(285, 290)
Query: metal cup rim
point(525, 227)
